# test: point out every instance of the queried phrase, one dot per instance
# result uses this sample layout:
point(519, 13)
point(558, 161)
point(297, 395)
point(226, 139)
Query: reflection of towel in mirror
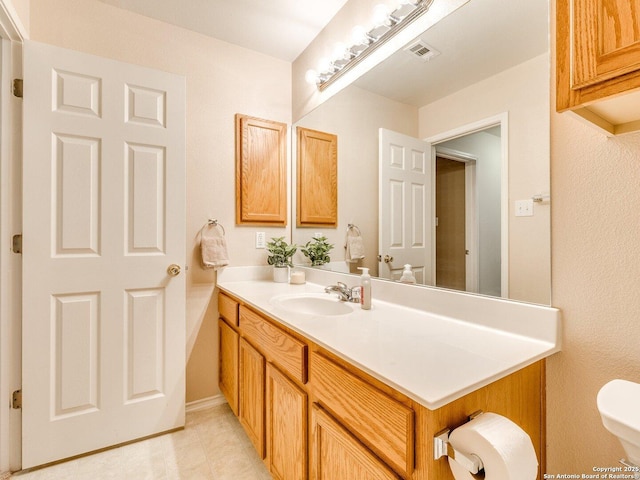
point(213, 247)
point(354, 246)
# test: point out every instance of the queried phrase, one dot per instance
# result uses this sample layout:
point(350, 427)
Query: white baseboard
point(202, 404)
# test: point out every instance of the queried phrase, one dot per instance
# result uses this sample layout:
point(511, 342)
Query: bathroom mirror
point(473, 91)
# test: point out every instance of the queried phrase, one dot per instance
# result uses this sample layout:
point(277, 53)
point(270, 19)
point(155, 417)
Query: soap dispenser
point(365, 289)
point(407, 275)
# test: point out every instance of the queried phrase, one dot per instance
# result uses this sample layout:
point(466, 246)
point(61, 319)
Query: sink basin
point(312, 304)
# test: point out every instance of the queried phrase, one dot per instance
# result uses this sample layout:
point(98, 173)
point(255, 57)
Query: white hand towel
point(354, 245)
point(213, 247)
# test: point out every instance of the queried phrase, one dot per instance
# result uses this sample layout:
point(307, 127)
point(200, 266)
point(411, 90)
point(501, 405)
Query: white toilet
point(619, 405)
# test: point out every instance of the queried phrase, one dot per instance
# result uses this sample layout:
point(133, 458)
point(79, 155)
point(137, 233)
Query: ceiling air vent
point(421, 50)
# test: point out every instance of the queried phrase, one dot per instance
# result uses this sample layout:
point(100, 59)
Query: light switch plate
point(261, 239)
point(524, 208)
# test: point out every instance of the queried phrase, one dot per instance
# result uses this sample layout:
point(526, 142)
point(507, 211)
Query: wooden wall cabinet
point(597, 60)
point(317, 179)
point(261, 171)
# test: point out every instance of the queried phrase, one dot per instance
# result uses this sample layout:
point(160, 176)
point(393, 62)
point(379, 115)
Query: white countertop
point(433, 359)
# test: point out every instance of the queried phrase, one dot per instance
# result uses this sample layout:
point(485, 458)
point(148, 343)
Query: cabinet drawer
point(278, 346)
point(378, 420)
point(228, 309)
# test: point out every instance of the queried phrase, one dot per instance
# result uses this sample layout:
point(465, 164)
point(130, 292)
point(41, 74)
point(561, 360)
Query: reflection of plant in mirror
point(317, 250)
point(280, 252)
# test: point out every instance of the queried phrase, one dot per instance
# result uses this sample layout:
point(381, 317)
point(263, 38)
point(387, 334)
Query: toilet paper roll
point(504, 448)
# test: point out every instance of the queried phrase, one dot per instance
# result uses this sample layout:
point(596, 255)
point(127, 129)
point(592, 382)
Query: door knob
point(173, 270)
point(388, 259)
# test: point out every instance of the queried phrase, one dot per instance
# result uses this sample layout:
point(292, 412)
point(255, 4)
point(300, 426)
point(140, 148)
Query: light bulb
point(380, 15)
point(359, 35)
point(339, 51)
point(311, 77)
point(324, 65)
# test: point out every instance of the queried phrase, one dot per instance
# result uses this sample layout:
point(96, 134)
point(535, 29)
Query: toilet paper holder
point(442, 448)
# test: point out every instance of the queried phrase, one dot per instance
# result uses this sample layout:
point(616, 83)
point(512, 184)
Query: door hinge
point(18, 87)
point(16, 244)
point(16, 399)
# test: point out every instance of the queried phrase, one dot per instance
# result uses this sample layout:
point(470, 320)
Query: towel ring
point(351, 226)
point(213, 223)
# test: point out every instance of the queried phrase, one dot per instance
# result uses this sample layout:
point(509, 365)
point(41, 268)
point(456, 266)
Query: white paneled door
point(104, 217)
point(406, 206)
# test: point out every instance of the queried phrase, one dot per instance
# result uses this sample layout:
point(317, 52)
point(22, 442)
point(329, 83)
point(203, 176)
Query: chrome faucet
point(345, 293)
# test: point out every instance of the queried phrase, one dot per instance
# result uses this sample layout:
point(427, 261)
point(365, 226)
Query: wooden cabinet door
point(286, 409)
point(335, 453)
point(228, 369)
point(598, 58)
point(606, 39)
point(261, 171)
point(317, 187)
point(251, 408)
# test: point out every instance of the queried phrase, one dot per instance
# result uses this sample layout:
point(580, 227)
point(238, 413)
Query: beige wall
point(355, 115)
point(523, 92)
point(222, 79)
point(596, 270)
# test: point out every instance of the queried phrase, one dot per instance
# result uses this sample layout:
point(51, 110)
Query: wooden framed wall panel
point(317, 179)
point(261, 171)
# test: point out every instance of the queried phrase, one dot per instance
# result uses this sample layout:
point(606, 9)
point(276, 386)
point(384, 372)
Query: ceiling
point(278, 28)
point(480, 39)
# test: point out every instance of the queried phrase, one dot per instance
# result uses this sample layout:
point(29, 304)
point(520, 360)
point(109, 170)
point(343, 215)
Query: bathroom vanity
point(361, 394)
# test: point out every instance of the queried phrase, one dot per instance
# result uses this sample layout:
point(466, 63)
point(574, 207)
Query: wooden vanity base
point(311, 414)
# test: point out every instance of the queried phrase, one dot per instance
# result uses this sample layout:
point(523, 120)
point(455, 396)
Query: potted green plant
point(317, 250)
point(280, 253)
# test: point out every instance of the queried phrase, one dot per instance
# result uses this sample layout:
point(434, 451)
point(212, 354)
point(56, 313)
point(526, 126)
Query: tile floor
point(212, 446)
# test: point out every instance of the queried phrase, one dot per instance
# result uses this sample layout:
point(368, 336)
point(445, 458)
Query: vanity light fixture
point(385, 24)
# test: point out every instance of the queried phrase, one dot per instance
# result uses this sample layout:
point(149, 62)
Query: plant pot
point(280, 274)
